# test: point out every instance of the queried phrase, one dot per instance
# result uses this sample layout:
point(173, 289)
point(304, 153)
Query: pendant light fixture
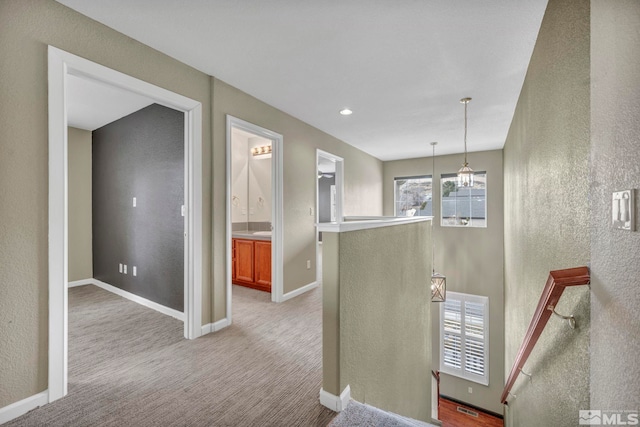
point(438, 281)
point(465, 174)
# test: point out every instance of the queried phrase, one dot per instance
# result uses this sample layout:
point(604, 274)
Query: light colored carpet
point(360, 415)
point(131, 366)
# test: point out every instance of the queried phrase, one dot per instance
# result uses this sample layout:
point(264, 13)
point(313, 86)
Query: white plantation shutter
point(464, 336)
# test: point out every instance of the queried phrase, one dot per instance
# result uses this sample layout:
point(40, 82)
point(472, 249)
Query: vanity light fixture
point(465, 174)
point(438, 281)
point(346, 112)
point(261, 151)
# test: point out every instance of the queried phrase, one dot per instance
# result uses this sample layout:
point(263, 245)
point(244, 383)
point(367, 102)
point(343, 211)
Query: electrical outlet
point(308, 264)
point(125, 269)
point(119, 268)
point(135, 271)
point(310, 211)
point(470, 390)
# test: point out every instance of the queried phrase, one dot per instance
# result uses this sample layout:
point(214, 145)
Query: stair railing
point(556, 283)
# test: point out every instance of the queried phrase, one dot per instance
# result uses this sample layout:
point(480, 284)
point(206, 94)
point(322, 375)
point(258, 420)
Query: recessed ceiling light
point(346, 112)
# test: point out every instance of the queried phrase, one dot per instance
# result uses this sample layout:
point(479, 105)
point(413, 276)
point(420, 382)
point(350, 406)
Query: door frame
point(61, 64)
point(277, 258)
point(339, 161)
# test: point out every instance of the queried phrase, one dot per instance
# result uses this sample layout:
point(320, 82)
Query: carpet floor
point(131, 366)
point(360, 415)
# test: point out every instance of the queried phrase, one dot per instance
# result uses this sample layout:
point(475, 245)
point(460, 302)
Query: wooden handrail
point(556, 283)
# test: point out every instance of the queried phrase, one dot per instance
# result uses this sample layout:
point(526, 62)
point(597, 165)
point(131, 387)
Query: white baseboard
point(131, 297)
point(80, 283)
point(216, 326)
point(336, 403)
point(299, 291)
point(23, 406)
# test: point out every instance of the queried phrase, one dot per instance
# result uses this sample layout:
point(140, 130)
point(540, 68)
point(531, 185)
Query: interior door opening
point(254, 210)
point(329, 197)
point(63, 67)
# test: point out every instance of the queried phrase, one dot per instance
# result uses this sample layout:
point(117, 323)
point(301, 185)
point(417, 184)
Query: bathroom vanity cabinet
point(251, 263)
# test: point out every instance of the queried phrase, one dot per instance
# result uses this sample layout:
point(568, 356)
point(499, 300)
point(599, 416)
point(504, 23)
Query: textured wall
point(142, 156)
point(472, 260)
point(363, 183)
point(385, 342)
point(615, 160)
point(546, 184)
point(26, 27)
point(80, 234)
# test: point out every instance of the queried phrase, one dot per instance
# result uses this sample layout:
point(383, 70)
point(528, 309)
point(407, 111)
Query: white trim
point(131, 297)
point(299, 291)
point(339, 227)
point(216, 326)
point(82, 282)
point(61, 64)
point(140, 300)
point(335, 403)
point(23, 406)
point(277, 253)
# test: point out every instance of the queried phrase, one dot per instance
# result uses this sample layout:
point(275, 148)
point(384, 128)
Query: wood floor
point(450, 417)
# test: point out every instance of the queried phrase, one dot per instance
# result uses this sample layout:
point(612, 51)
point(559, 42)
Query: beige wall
point(472, 260)
point(377, 297)
point(80, 219)
point(546, 175)
point(363, 183)
point(26, 28)
point(615, 156)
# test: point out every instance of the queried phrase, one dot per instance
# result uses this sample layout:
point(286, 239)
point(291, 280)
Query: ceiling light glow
point(346, 112)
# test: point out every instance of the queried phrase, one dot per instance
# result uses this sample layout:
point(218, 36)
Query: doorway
point(264, 143)
point(329, 197)
point(63, 65)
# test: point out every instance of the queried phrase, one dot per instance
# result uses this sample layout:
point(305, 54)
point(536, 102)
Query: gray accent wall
point(546, 222)
point(615, 156)
point(141, 156)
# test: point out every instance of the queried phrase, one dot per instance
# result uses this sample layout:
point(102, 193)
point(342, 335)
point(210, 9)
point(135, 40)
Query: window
point(413, 196)
point(464, 206)
point(464, 337)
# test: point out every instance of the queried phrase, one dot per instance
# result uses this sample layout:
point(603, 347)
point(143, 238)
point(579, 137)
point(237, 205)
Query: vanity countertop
point(252, 235)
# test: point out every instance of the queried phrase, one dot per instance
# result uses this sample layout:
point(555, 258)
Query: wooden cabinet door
point(243, 260)
point(262, 264)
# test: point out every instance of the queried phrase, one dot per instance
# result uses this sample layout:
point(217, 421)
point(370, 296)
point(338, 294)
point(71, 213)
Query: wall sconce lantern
point(438, 287)
point(438, 281)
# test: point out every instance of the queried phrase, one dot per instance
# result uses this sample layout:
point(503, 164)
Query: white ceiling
point(92, 104)
point(401, 66)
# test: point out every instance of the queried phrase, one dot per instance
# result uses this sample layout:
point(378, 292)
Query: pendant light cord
point(465, 132)
point(433, 177)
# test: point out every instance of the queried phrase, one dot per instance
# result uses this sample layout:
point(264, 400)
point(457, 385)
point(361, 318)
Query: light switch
point(119, 268)
point(125, 269)
point(135, 271)
point(623, 210)
point(310, 211)
point(134, 202)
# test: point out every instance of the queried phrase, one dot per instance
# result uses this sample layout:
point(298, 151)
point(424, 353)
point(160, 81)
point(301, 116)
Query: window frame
point(462, 372)
point(395, 192)
point(486, 201)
